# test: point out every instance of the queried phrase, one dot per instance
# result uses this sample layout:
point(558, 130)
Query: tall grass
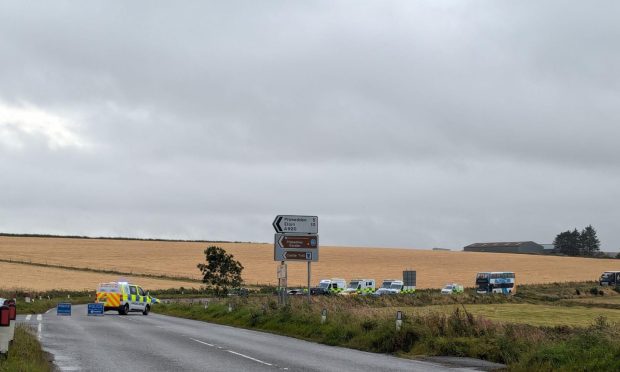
point(25, 354)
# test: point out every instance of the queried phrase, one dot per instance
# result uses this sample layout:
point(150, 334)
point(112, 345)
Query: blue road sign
point(95, 309)
point(63, 308)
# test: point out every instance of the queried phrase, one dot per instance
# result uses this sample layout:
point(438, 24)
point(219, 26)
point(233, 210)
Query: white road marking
point(201, 342)
point(250, 358)
point(39, 317)
point(28, 317)
point(39, 329)
point(48, 311)
point(233, 352)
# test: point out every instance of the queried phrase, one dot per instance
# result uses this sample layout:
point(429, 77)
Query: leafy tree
point(590, 244)
point(222, 271)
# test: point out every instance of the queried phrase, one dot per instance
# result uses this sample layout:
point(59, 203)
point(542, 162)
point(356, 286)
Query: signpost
point(296, 239)
point(63, 308)
point(96, 309)
point(292, 246)
point(296, 224)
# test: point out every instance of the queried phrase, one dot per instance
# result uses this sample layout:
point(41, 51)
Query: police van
point(124, 298)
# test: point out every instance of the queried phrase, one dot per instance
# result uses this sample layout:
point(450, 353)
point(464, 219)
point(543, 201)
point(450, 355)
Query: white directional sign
point(296, 224)
point(297, 247)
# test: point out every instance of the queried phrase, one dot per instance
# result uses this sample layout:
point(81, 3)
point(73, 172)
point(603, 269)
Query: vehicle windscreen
point(386, 284)
point(324, 285)
point(607, 275)
point(354, 285)
point(447, 287)
point(396, 286)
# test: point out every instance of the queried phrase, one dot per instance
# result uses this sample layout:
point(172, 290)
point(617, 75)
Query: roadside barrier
point(399, 320)
point(12, 318)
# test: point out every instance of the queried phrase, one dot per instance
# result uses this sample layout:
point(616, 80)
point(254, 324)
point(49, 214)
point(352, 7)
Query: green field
point(615, 300)
point(533, 314)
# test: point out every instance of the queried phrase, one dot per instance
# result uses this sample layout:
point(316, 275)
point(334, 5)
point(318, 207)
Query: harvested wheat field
point(434, 268)
point(28, 277)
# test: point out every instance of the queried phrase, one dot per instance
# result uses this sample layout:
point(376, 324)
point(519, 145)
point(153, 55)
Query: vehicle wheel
point(146, 310)
point(125, 310)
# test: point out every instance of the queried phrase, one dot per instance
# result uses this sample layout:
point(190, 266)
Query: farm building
point(505, 247)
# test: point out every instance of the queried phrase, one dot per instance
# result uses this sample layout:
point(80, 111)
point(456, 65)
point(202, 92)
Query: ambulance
point(389, 287)
point(329, 286)
point(124, 298)
point(360, 286)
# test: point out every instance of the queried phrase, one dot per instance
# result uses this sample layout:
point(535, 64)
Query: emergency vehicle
point(390, 286)
point(329, 286)
point(360, 286)
point(452, 288)
point(125, 298)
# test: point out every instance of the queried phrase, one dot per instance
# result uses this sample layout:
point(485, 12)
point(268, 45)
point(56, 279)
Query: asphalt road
point(161, 343)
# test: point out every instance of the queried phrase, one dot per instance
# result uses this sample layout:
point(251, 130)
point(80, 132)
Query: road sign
point(296, 255)
point(63, 308)
point(296, 247)
point(299, 241)
point(296, 224)
point(95, 309)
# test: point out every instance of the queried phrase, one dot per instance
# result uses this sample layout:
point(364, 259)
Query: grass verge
point(353, 323)
point(25, 354)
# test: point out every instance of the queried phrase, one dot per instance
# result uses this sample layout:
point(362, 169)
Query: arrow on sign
point(276, 224)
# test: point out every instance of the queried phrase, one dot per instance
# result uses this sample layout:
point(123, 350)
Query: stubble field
point(27, 277)
point(434, 268)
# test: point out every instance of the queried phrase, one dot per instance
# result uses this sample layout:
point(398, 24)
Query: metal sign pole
point(309, 263)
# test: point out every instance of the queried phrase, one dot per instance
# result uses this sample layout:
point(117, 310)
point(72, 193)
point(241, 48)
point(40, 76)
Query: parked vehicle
point(360, 286)
point(329, 286)
point(496, 282)
point(452, 288)
point(124, 298)
point(389, 287)
point(610, 278)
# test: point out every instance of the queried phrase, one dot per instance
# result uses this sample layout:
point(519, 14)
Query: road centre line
point(39, 317)
point(233, 352)
point(250, 358)
point(201, 342)
point(28, 317)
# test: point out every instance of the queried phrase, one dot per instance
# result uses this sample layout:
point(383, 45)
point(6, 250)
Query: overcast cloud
point(398, 123)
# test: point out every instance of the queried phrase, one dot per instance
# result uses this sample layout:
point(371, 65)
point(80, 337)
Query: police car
point(124, 298)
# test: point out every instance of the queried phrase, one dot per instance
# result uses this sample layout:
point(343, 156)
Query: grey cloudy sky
point(398, 123)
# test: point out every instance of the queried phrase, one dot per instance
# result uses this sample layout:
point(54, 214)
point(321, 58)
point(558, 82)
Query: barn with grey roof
point(506, 247)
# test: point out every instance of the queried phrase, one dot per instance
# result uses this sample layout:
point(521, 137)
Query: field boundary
point(52, 236)
point(101, 271)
